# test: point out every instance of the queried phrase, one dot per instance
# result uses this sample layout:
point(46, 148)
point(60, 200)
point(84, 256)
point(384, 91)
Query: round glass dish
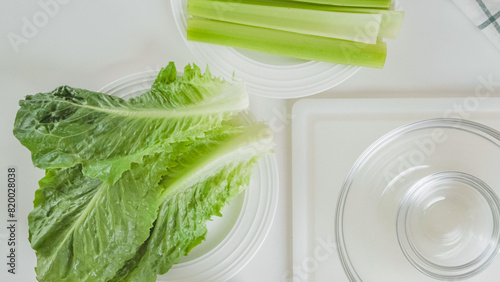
point(266, 75)
point(421, 204)
point(232, 240)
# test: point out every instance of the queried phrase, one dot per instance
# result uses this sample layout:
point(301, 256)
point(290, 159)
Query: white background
point(89, 44)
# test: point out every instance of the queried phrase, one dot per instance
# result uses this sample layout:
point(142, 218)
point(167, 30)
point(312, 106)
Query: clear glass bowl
point(421, 204)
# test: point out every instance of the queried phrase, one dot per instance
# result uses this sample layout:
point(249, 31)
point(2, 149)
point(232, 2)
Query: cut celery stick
point(278, 42)
point(389, 27)
point(353, 3)
point(348, 26)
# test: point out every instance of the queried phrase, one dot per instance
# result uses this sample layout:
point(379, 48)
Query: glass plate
point(421, 204)
point(232, 240)
point(266, 75)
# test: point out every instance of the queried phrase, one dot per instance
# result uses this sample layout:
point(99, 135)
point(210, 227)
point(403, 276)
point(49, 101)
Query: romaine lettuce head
point(130, 184)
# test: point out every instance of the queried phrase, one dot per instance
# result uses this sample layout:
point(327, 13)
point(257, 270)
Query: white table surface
point(89, 44)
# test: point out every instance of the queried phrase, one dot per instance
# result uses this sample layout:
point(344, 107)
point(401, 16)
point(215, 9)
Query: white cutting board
point(328, 135)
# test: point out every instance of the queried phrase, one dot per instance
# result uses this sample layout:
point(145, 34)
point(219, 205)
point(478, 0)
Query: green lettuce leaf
point(106, 134)
point(84, 229)
point(195, 191)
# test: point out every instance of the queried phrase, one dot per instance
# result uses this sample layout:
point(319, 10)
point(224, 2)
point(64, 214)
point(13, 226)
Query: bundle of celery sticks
point(348, 32)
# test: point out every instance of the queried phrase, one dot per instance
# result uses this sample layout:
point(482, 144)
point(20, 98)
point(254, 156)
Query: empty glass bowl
point(421, 204)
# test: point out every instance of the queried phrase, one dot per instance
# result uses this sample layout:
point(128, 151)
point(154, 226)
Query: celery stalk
point(352, 3)
point(278, 42)
point(348, 26)
point(389, 26)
